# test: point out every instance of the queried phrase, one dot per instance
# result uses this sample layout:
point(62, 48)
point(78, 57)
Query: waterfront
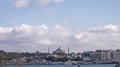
point(83, 65)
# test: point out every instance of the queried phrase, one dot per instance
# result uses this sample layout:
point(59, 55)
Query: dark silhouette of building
point(59, 51)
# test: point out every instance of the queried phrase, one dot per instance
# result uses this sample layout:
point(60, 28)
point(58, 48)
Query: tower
point(48, 50)
point(59, 46)
point(68, 50)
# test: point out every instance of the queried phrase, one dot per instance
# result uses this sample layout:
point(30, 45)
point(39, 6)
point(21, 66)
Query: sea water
point(85, 65)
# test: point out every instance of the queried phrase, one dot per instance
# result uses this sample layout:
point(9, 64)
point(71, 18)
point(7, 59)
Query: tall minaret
point(68, 50)
point(48, 50)
point(59, 46)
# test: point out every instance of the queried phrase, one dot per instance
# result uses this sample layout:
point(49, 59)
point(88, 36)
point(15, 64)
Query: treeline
point(6, 56)
point(62, 59)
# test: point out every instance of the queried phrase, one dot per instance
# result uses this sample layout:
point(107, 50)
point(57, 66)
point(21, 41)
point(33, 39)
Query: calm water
point(88, 65)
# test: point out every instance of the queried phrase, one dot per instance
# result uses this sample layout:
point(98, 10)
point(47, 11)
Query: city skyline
point(35, 25)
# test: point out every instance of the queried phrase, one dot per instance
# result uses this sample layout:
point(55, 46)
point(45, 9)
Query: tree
point(78, 59)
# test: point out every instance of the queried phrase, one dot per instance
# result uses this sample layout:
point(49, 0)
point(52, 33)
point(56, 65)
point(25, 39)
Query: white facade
point(86, 59)
point(105, 56)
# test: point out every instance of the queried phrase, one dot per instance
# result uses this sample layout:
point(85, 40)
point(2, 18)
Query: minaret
point(48, 50)
point(59, 46)
point(68, 50)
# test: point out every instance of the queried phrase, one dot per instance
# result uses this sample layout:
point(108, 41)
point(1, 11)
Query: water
point(87, 65)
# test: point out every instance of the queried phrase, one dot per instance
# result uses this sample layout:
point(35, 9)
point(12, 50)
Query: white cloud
point(47, 42)
point(57, 1)
point(25, 3)
point(111, 27)
point(30, 38)
point(107, 28)
point(4, 30)
point(21, 3)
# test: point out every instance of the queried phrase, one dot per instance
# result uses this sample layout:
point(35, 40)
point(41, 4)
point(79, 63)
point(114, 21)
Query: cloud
point(39, 37)
point(26, 3)
point(106, 28)
point(46, 2)
point(47, 42)
point(21, 3)
point(79, 36)
point(111, 27)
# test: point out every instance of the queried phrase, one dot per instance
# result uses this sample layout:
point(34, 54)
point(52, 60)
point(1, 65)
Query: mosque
point(60, 51)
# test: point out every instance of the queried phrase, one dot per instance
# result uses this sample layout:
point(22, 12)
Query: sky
point(36, 25)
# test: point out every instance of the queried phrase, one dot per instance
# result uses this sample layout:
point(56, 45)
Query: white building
point(102, 56)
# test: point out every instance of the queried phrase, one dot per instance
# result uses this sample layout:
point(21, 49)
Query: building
point(107, 55)
point(59, 51)
point(102, 56)
point(86, 56)
point(95, 56)
point(116, 56)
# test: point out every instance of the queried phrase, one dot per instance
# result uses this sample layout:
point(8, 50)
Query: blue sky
point(77, 13)
point(31, 25)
